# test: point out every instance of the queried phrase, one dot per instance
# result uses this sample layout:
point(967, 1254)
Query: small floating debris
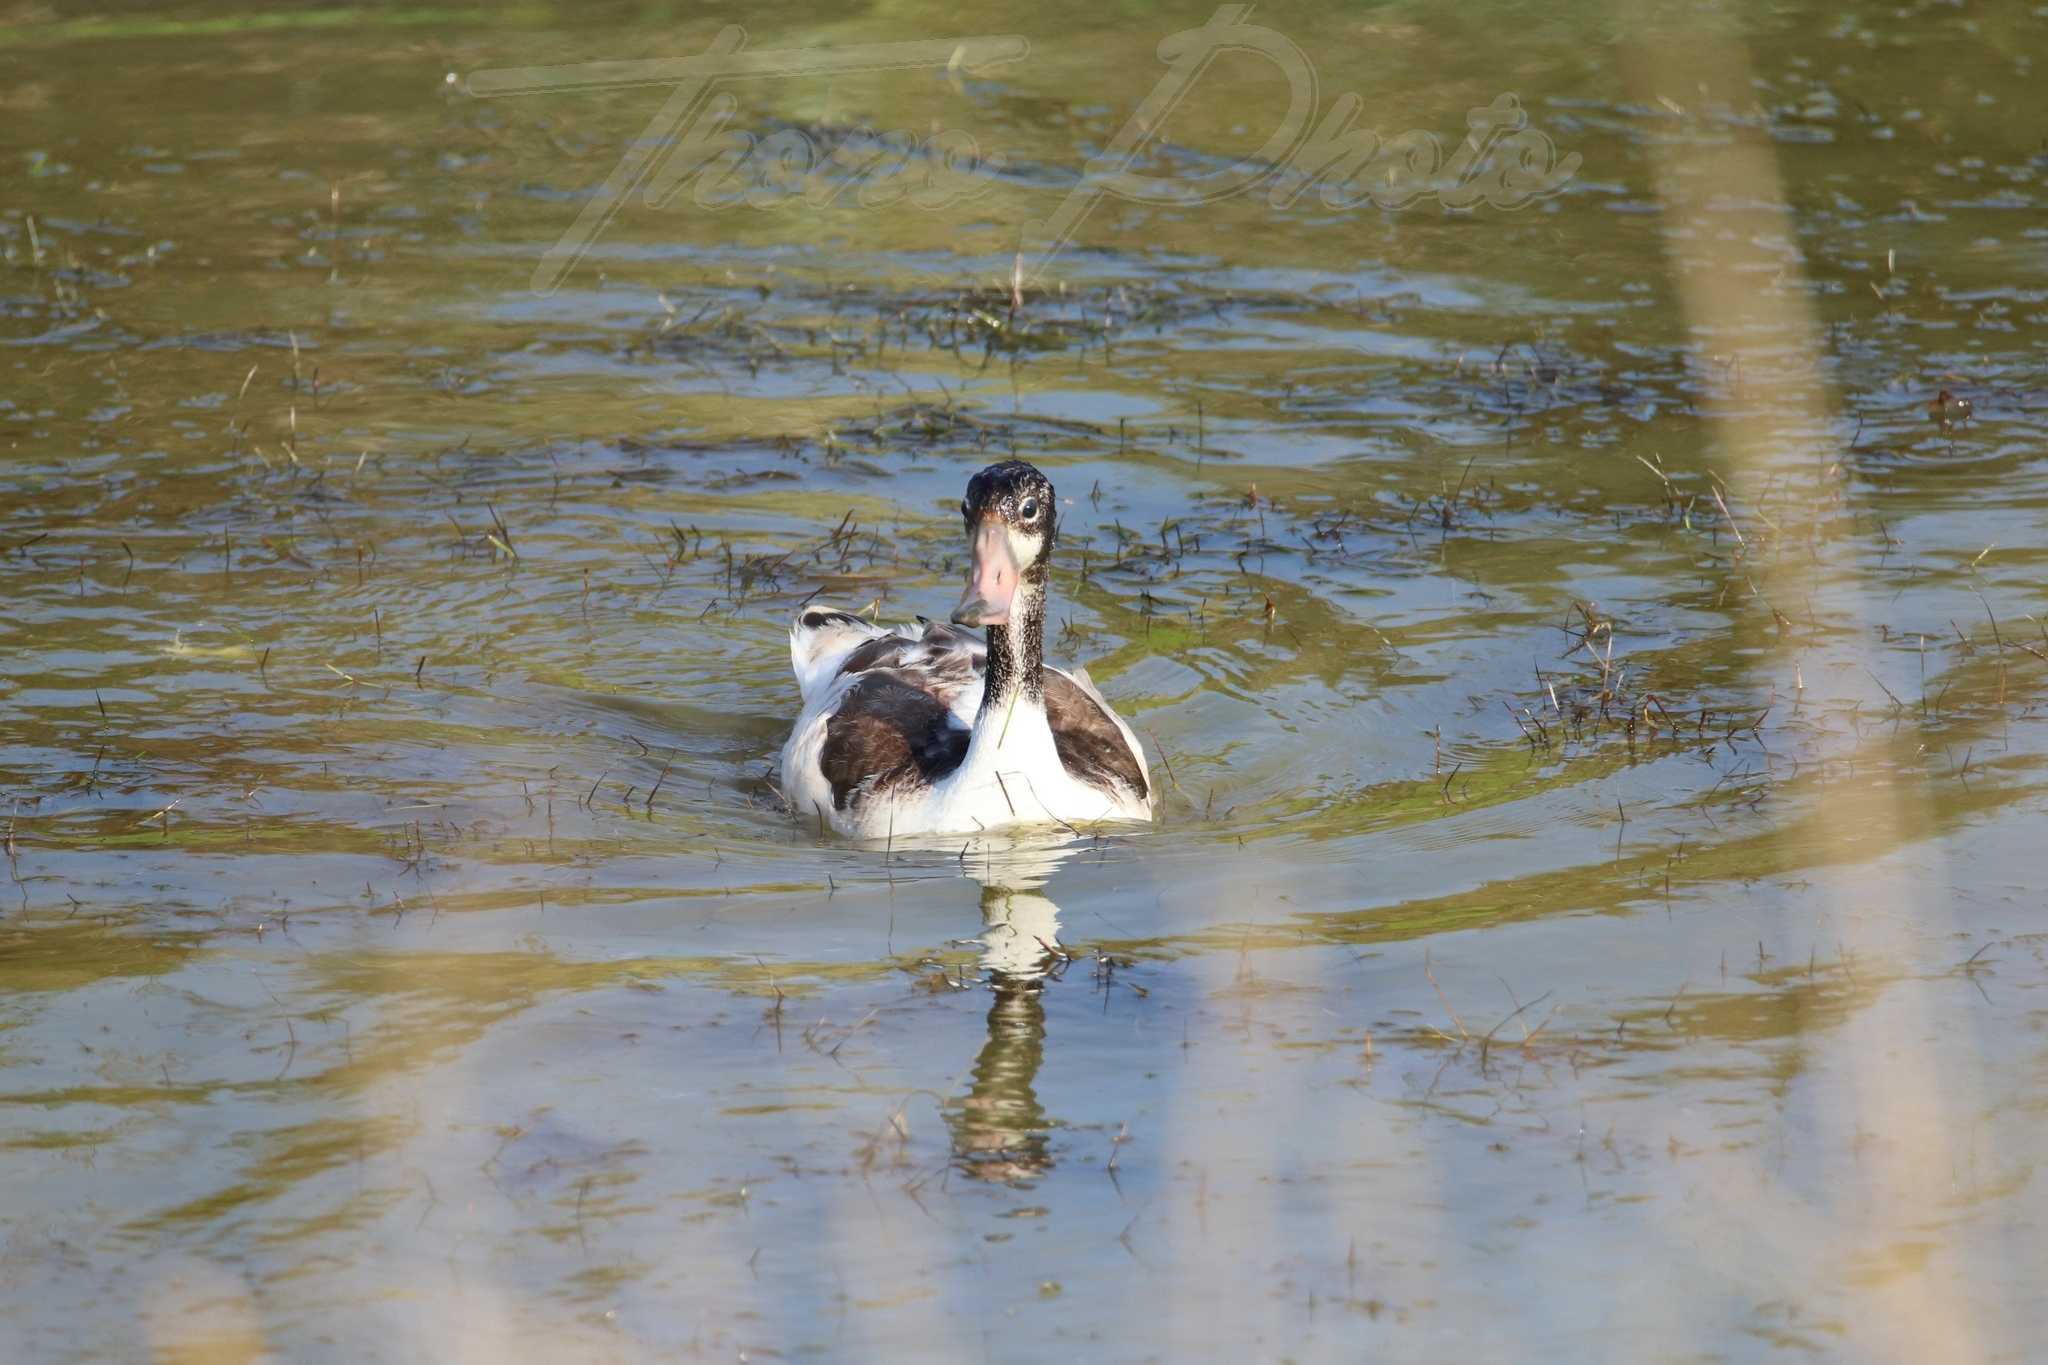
point(1947, 410)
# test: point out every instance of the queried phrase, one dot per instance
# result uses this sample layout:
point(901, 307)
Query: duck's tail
point(820, 638)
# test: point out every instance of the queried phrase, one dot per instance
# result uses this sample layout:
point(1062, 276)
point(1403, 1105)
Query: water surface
point(1596, 705)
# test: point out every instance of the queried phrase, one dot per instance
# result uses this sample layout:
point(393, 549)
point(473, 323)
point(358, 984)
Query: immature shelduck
point(923, 729)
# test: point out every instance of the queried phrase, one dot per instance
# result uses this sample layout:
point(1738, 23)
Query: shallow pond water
point(1593, 678)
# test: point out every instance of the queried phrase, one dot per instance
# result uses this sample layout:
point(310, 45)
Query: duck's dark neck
point(1016, 653)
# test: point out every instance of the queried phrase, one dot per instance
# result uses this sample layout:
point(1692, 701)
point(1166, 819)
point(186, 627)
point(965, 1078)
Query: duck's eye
point(1029, 511)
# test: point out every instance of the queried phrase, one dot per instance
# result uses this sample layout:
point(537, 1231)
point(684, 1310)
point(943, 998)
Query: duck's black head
point(1012, 522)
point(1017, 493)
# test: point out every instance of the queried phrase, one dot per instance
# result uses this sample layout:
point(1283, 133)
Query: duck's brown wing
point(907, 718)
point(892, 730)
point(1088, 740)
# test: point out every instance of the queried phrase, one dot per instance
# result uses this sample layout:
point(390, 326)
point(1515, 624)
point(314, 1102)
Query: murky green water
point(1596, 907)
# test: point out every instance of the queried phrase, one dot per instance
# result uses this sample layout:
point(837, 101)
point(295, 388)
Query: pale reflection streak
point(1731, 243)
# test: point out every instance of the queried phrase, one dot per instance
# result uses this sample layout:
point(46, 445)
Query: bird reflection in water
point(1000, 1131)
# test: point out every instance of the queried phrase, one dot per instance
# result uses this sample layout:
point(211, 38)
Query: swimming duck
point(925, 729)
